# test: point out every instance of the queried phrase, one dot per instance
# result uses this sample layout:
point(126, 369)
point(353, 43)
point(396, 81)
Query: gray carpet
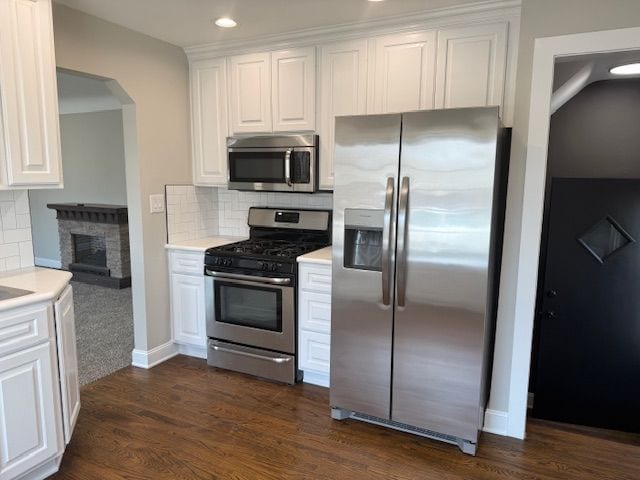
point(104, 330)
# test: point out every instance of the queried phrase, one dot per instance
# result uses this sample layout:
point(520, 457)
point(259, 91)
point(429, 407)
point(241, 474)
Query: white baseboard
point(192, 351)
point(47, 262)
point(496, 421)
point(315, 378)
point(151, 358)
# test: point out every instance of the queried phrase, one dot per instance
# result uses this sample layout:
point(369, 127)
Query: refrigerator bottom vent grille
point(406, 428)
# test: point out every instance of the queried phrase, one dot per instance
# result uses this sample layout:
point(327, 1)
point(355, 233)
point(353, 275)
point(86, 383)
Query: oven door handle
point(248, 354)
point(247, 278)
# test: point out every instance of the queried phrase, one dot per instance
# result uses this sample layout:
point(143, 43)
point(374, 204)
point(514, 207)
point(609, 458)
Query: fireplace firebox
point(94, 242)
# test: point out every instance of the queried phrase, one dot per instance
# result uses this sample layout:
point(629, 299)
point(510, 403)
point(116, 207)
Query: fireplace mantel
point(90, 212)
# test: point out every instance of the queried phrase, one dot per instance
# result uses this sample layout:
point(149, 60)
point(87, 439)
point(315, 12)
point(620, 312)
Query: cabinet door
point(209, 120)
point(30, 136)
point(187, 309)
point(68, 361)
point(30, 430)
point(293, 80)
point(251, 93)
point(471, 66)
point(403, 77)
point(343, 91)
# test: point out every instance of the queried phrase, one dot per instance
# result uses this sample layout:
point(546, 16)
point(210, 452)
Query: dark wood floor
point(183, 420)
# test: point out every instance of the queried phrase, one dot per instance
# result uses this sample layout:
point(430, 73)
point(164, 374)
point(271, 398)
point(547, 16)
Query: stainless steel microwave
point(285, 163)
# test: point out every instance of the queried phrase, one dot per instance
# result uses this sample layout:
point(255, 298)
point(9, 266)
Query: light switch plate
point(156, 203)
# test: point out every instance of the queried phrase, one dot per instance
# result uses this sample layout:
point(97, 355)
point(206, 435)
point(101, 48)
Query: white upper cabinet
point(293, 79)
point(403, 76)
point(343, 91)
point(29, 126)
point(209, 121)
point(251, 93)
point(471, 66)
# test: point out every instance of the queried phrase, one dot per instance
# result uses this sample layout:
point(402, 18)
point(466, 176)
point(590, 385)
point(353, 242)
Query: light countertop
point(322, 256)
point(45, 283)
point(201, 244)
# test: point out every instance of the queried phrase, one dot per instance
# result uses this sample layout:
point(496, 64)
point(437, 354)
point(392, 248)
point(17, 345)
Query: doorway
point(586, 338)
point(96, 249)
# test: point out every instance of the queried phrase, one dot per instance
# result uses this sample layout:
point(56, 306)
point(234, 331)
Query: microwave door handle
point(387, 232)
point(287, 166)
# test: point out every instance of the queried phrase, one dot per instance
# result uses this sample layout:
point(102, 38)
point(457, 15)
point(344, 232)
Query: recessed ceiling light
point(629, 69)
point(376, 0)
point(225, 22)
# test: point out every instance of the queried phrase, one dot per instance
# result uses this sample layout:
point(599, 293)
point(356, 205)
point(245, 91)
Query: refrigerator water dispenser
point(363, 239)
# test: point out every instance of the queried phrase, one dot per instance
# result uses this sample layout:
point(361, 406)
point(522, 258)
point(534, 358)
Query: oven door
point(272, 169)
point(253, 313)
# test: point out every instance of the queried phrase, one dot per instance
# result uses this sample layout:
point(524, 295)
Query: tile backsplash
point(234, 206)
point(197, 212)
point(16, 247)
point(192, 212)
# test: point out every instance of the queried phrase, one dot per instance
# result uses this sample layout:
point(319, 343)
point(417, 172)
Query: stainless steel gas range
point(251, 292)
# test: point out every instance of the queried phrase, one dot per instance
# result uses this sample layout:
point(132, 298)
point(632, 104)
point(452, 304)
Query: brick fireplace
point(94, 242)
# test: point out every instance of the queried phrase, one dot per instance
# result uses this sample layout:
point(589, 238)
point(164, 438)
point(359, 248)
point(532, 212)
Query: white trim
point(316, 378)
point(192, 350)
point(546, 50)
point(495, 421)
point(47, 262)
point(44, 470)
point(151, 358)
point(487, 11)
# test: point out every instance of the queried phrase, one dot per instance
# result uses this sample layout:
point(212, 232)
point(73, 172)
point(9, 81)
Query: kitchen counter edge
point(46, 284)
point(201, 244)
point(322, 256)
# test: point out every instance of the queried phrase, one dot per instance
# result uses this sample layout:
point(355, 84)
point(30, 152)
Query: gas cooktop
point(277, 237)
point(263, 247)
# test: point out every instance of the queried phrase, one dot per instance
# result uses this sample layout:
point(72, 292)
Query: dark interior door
point(588, 356)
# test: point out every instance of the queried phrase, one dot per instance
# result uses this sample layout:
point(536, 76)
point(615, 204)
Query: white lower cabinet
point(314, 322)
point(187, 308)
point(39, 387)
point(30, 422)
point(67, 361)
point(187, 302)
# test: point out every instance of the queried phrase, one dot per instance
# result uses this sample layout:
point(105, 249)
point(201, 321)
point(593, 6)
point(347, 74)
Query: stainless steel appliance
point(416, 240)
point(251, 292)
point(285, 163)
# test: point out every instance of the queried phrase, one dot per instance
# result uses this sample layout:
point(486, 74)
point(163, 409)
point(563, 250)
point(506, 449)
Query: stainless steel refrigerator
point(418, 209)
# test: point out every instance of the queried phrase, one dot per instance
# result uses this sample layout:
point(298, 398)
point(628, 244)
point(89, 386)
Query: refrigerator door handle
point(403, 211)
point(386, 242)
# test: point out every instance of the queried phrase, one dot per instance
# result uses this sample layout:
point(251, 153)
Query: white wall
point(540, 18)
point(154, 75)
point(16, 250)
point(94, 172)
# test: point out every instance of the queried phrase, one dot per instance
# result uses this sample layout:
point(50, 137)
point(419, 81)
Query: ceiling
point(80, 94)
point(190, 22)
point(572, 74)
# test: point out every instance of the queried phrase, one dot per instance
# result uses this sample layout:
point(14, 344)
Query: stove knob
point(274, 267)
point(228, 262)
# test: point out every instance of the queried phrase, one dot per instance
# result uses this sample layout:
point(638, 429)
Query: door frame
point(546, 50)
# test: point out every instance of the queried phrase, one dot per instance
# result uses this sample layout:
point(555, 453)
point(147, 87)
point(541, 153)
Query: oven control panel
point(243, 264)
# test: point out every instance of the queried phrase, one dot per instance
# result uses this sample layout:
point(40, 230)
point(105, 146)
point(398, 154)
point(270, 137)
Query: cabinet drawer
point(24, 329)
point(315, 278)
point(190, 263)
point(315, 312)
point(315, 351)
